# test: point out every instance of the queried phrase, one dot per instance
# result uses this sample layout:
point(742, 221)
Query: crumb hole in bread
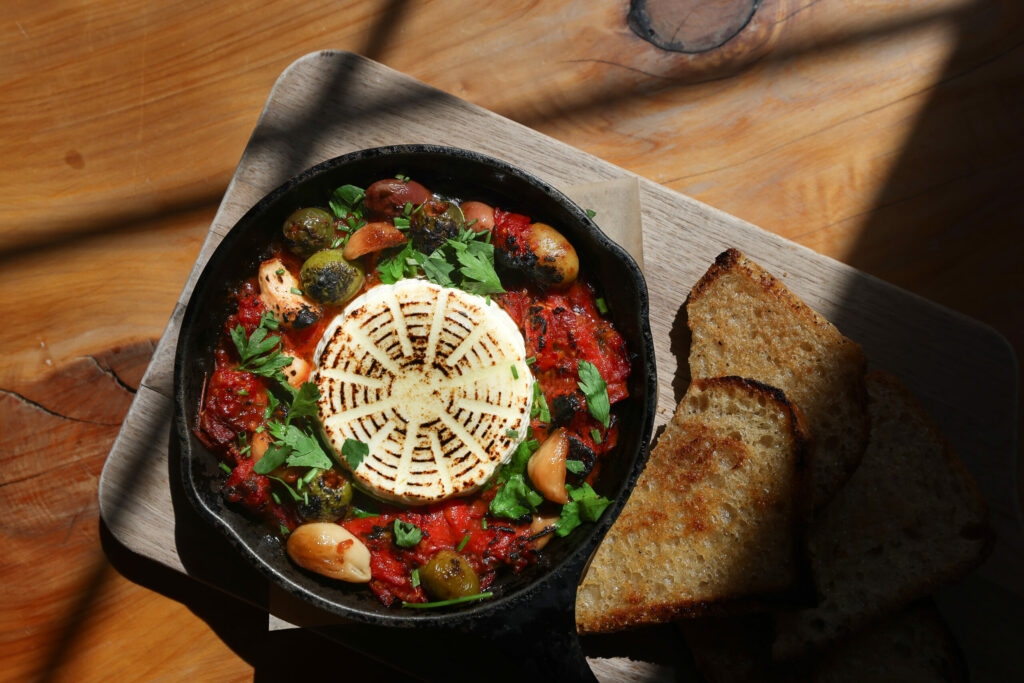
point(767, 441)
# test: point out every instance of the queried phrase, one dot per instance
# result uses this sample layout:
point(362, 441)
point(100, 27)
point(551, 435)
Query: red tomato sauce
point(561, 328)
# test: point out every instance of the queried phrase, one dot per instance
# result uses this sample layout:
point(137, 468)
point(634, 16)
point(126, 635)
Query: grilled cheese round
point(434, 380)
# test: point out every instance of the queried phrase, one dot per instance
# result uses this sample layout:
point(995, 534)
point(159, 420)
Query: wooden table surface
point(888, 135)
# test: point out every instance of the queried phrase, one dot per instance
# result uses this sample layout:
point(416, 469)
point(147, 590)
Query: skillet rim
point(570, 567)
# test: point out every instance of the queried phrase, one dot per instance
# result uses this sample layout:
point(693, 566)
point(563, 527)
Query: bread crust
point(802, 353)
point(676, 503)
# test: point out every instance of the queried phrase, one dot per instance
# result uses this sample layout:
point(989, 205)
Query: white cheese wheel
point(434, 380)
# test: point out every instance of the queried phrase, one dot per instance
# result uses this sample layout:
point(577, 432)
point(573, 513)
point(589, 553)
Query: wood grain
point(886, 135)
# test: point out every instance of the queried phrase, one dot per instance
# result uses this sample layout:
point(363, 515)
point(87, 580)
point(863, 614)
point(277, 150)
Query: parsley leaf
point(354, 451)
point(594, 388)
point(407, 534)
point(436, 267)
point(477, 266)
point(584, 506)
point(259, 353)
point(346, 200)
point(304, 403)
point(292, 447)
point(515, 499)
point(396, 267)
point(273, 458)
point(575, 466)
point(519, 461)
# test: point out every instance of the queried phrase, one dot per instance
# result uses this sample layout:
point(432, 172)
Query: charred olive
point(327, 499)
point(435, 223)
point(309, 230)
point(448, 575)
point(388, 197)
point(557, 263)
point(330, 278)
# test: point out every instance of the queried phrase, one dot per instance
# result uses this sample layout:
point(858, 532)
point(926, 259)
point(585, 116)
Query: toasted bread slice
point(715, 521)
point(745, 322)
point(912, 645)
point(909, 520)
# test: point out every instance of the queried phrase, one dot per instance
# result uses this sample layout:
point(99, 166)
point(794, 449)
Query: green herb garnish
point(462, 543)
point(259, 352)
point(584, 506)
point(594, 388)
point(346, 200)
point(539, 409)
point(414, 577)
point(590, 213)
point(354, 451)
point(407, 534)
point(515, 372)
point(574, 466)
point(602, 307)
point(445, 603)
point(596, 436)
point(515, 499)
point(225, 467)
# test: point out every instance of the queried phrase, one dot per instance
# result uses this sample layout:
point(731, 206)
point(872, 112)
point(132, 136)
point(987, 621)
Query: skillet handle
point(538, 638)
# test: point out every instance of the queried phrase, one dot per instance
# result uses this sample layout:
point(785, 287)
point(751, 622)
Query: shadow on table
point(981, 155)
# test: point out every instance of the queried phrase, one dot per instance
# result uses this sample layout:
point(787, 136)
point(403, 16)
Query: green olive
point(448, 575)
point(327, 498)
point(331, 279)
point(309, 230)
point(434, 223)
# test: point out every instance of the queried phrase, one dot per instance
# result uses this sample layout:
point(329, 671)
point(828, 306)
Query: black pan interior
point(445, 171)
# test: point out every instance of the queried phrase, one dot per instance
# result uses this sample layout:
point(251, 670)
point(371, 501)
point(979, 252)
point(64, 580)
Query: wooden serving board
point(331, 103)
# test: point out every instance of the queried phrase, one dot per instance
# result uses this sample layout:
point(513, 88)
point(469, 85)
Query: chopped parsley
point(594, 388)
point(347, 200)
point(539, 409)
point(462, 543)
point(584, 506)
point(259, 353)
point(407, 534)
point(466, 262)
point(602, 307)
point(596, 436)
point(225, 467)
point(354, 451)
point(574, 466)
point(515, 499)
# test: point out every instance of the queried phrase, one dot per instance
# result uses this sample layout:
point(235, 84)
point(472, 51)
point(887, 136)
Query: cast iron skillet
point(531, 615)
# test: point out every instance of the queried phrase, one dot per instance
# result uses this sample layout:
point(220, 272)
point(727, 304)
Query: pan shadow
point(949, 247)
